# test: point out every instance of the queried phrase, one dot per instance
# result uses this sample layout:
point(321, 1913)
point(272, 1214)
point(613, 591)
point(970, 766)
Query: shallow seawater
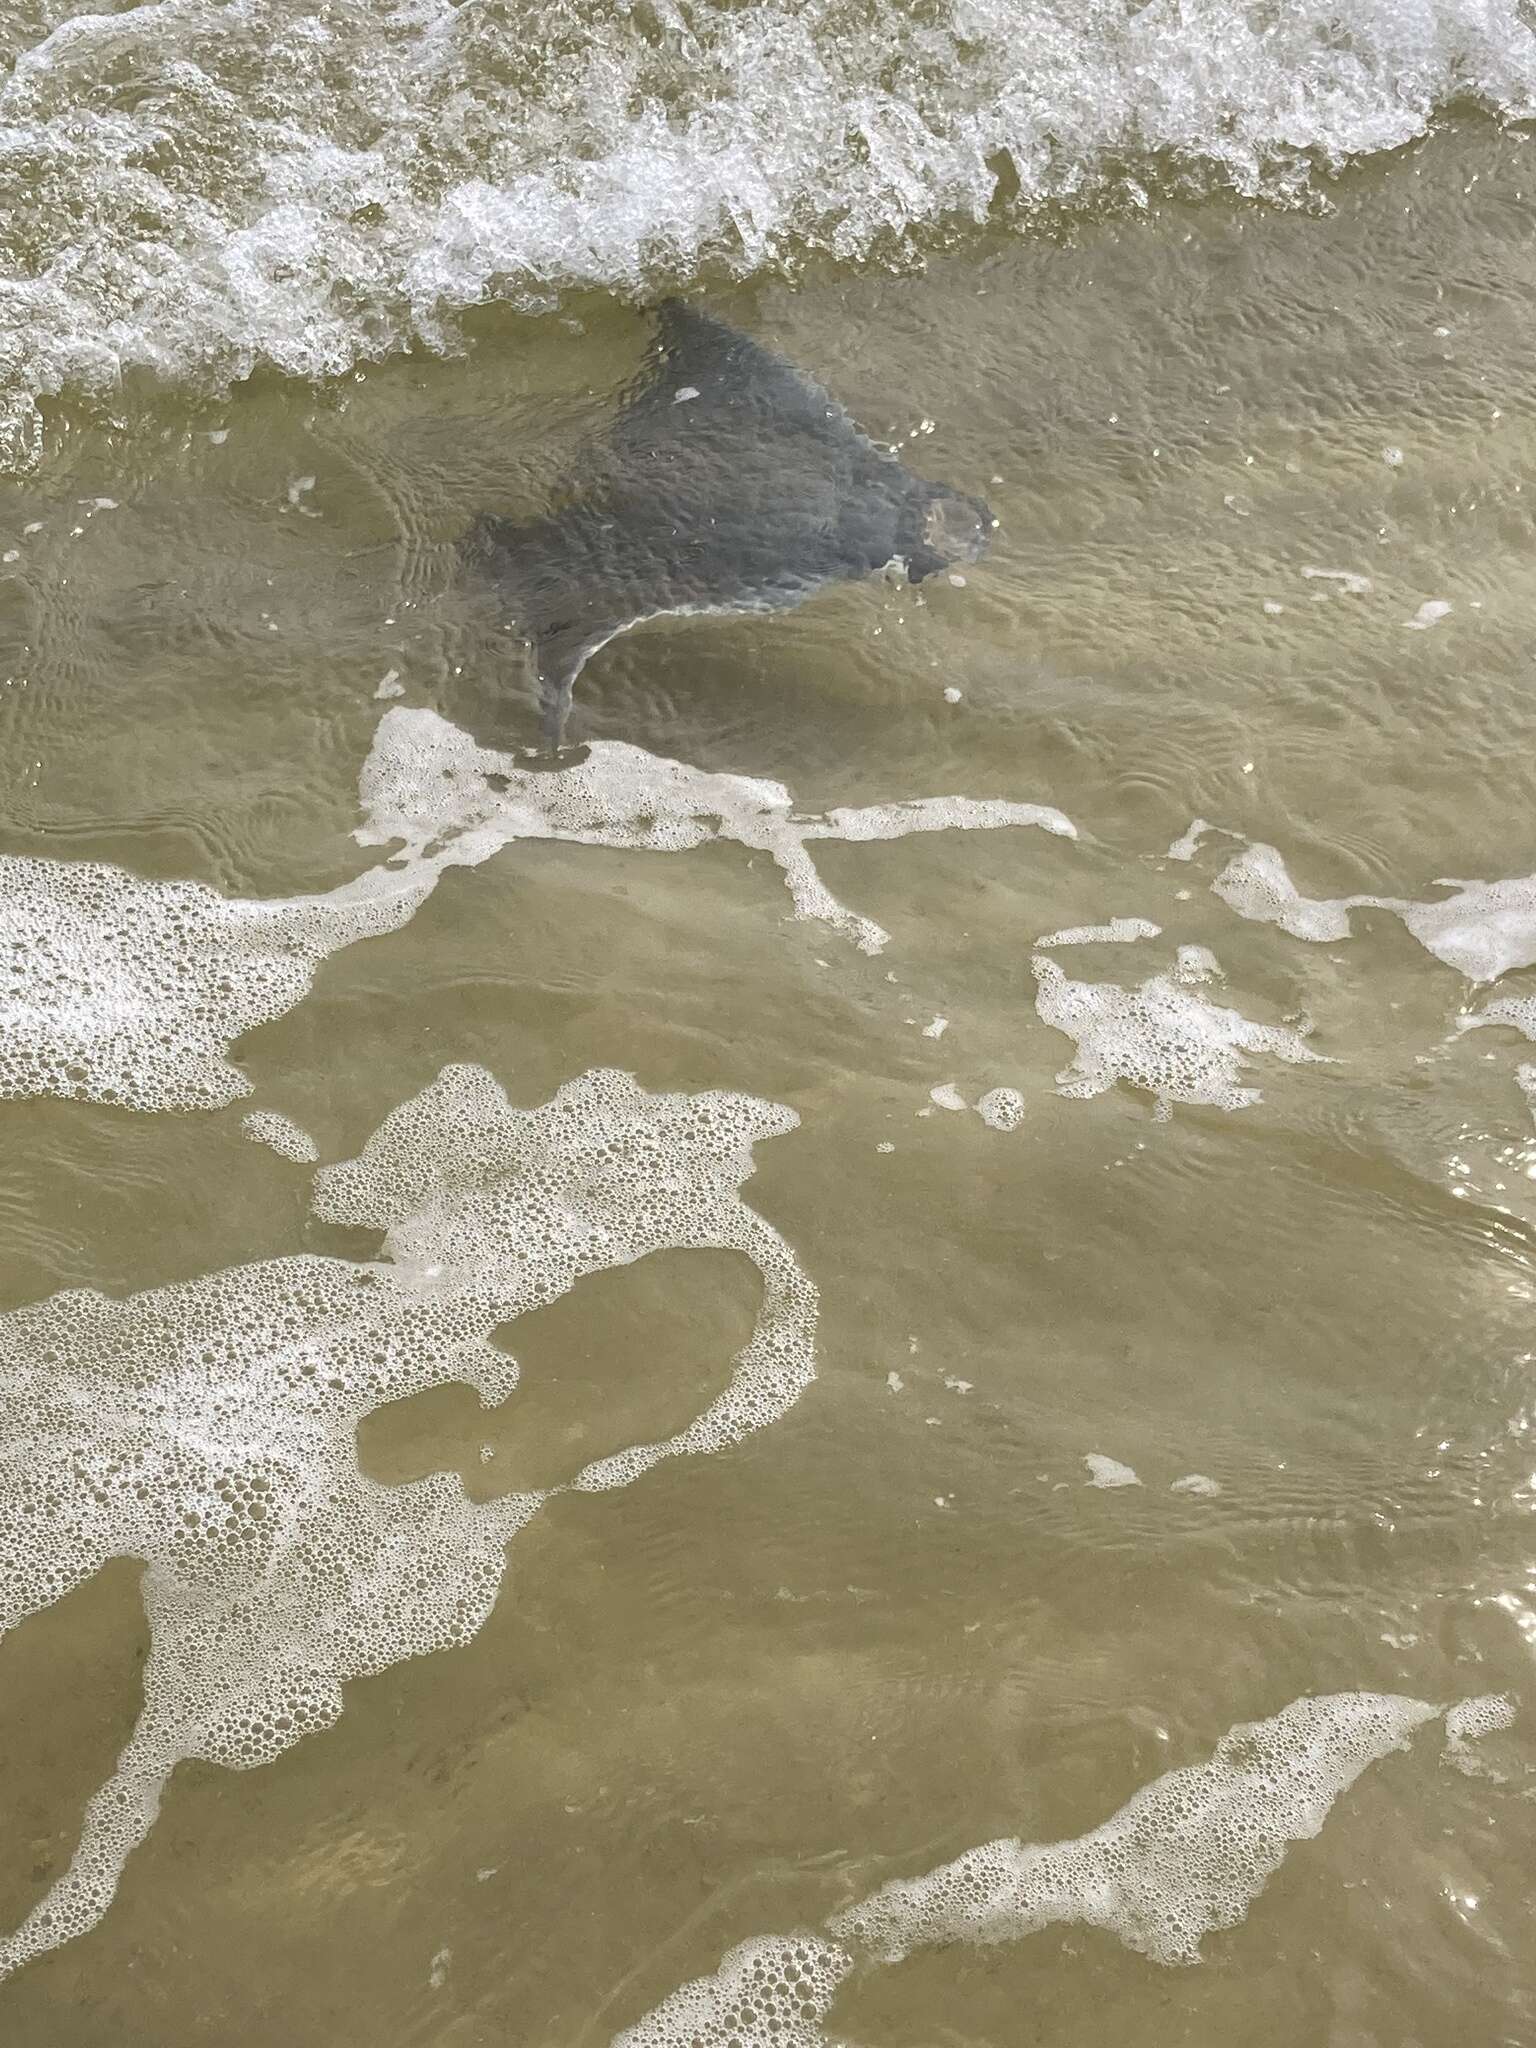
point(1234, 452)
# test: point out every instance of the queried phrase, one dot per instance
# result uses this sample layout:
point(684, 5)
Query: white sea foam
point(209, 1428)
point(1467, 1723)
point(1518, 1012)
point(1187, 845)
point(281, 1133)
point(1257, 885)
point(427, 785)
point(1184, 1858)
point(341, 181)
point(1195, 965)
point(773, 1992)
point(452, 803)
point(1120, 931)
point(1001, 1108)
point(1160, 1037)
point(1109, 1472)
point(116, 989)
point(1483, 930)
point(1348, 580)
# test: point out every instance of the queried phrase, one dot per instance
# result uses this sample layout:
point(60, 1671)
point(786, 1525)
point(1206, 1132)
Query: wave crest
point(210, 187)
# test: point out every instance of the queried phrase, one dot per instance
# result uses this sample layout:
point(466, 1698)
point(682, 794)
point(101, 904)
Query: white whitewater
point(347, 176)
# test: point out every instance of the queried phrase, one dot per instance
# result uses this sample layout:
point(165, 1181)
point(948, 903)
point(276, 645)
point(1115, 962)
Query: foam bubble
point(209, 1428)
point(1196, 964)
point(1429, 613)
point(766, 1993)
point(1196, 1482)
point(1351, 584)
point(1187, 845)
point(1484, 930)
point(1108, 1472)
point(1186, 1856)
point(1120, 931)
point(269, 1127)
point(773, 1992)
point(1001, 1108)
point(1256, 884)
point(334, 192)
point(1160, 1037)
point(947, 1096)
point(1518, 1012)
point(1467, 1722)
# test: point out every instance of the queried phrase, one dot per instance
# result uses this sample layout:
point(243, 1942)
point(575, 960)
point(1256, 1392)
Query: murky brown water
point(897, 1622)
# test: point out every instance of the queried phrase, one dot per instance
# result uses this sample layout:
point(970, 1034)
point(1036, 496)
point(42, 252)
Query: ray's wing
point(704, 385)
point(748, 476)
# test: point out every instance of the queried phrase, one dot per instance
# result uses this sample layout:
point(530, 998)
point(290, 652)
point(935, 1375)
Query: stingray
point(729, 482)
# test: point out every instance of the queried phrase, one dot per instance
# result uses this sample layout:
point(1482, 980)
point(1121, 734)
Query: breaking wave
point(209, 187)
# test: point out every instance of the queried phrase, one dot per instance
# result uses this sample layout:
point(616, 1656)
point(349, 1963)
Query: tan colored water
point(898, 1622)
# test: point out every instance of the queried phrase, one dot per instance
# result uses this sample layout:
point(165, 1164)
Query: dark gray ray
point(729, 482)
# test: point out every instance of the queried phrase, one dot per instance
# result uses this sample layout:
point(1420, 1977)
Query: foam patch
point(114, 989)
point(1518, 1012)
point(209, 1428)
point(1160, 1037)
point(1483, 931)
point(1108, 1472)
point(1196, 964)
point(1001, 1108)
point(425, 784)
point(773, 1992)
point(1467, 1723)
point(1120, 931)
point(1184, 1858)
point(281, 1134)
point(1257, 885)
point(1188, 843)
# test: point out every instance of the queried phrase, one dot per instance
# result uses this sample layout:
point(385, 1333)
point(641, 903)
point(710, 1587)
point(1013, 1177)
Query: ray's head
point(948, 527)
